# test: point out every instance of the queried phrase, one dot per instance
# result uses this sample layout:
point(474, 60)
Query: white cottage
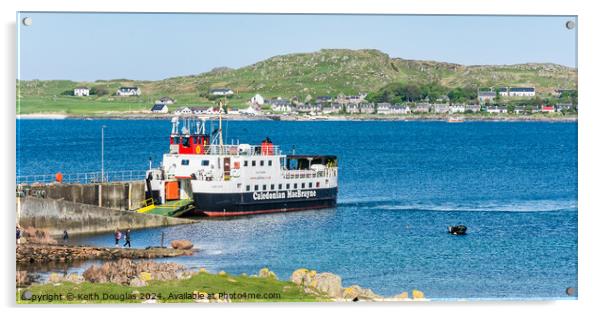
point(257, 100)
point(81, 91)
point(128, 91)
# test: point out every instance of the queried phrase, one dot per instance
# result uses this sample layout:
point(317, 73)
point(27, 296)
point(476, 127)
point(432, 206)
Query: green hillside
point(326, 72)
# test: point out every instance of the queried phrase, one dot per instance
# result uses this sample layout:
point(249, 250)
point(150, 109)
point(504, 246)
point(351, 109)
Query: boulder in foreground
point(181, 244)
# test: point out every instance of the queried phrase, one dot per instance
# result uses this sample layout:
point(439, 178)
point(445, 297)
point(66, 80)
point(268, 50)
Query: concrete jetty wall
point(58, 215)
point(115, 195)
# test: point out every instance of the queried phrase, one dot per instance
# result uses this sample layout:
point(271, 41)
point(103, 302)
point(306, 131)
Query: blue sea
point(513, 184)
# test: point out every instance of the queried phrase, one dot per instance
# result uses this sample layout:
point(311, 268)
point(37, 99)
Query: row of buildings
point(370, 108)
point(419, 108)
point(490, 94)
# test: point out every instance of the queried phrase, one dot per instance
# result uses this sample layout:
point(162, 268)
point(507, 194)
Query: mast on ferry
point(221, 140)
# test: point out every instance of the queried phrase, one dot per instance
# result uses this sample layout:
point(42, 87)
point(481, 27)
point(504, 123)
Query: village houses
point(422, 108)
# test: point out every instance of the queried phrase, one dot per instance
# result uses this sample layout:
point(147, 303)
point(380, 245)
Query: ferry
point(237, 179)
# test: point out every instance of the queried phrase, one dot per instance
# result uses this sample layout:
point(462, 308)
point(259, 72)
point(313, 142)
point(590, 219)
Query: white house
point(400, 109)
point(422, 108)
point(352, 108)
point(165, 100)
point(473, 108)
point(355, 99)
point(257, 99)
point(81, 91)
point(441, 108)
point(221, 91)
point(485, 96)
point(521, 92)
point(160, 108)
point(457, 108)
point(520, 109)
point(183, 111)
point(304, 108)
point(198, 110)
point(383, 108)
point(128, 91)
point(563, 106)
point(366, 107)
point(281, 105)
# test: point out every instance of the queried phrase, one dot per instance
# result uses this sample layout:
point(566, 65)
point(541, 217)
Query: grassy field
point(70, 105)
point(256, 290)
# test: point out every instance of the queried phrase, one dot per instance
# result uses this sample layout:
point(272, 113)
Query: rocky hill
point(329, 72)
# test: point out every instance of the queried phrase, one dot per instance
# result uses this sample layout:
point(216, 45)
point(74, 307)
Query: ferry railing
point(243, 150)
point(308, 174)
point(84, 177)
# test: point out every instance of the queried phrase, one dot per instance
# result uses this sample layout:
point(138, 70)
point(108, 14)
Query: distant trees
point(462, 94)
point(396, 92)
point(99, 91)
point(399, 92)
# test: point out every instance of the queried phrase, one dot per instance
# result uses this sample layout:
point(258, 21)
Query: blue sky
point(91, 46)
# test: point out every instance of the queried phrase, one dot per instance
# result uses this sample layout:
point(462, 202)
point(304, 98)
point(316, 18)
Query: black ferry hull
point(248, 203)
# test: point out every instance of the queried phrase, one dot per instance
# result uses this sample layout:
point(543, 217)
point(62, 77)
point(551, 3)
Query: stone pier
point(56, 215)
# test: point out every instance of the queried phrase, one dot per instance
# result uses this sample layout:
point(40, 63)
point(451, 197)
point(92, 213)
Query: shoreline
point(304, 118)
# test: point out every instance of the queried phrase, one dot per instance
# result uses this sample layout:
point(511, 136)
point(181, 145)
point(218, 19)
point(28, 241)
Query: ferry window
point(303, 185)
point(269, 162)
point(186, 142)
point(205, 163)
point(317, 184)
point(246, 163)
point(280, 186)
point(256, 187)
point(272, 187)
point(248, 188)
point(265, 187)
point(261, 163)
point(185, 162)
point(295, 186)
point(310, 184)
point(288, 186)
point(176, 140)
point(239, 185)
point(253, 163)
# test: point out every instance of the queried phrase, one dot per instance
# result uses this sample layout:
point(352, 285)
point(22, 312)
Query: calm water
point(401, 184)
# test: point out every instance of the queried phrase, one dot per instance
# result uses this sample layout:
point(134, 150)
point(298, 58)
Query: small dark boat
point(457, 230)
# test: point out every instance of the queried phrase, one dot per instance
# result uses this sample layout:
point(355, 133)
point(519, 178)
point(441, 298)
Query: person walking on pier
point(18, 234)
point(117, 237)
point(127, 239)
point(65, 236)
